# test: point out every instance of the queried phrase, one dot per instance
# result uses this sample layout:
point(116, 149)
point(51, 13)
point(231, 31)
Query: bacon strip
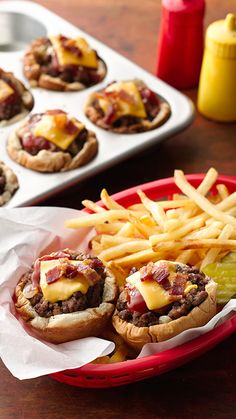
point(35, 278)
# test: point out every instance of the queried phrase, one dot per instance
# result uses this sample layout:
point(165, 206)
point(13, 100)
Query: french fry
point(222, 191)
point(109, 228)
point(210, 232)
point(124, 249)
point(195, 244)
point(92, 206)
point(174, 235)
point(228, 203)
point(128, 230)
point(135, 259)
point(180, 201)
point(185, 256)
point(208, 181)
point(201, 201)
point(109, 202)
point(121, 349)
point(108, 241)
point(212, 253)
point(202, 189)
point(155, 209)
point(120, 354)
point(138, 207)
point(142, 227)
point(101, 360)
point(92, 220)
point(96, 245)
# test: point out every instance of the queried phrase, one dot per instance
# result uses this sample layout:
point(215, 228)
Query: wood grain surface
point(205, 387)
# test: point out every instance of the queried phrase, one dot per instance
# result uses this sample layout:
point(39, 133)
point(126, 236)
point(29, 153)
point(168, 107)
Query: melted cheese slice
point(63, 288)
point(135, 107)
point(52, 127)
point(5, 90)
point(154, 294)
point(88, 57)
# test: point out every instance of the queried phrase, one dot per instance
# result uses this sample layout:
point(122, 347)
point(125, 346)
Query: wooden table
point(205, 387)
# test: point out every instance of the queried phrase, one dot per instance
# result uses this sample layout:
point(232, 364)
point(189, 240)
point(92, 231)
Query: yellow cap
point(221, 37)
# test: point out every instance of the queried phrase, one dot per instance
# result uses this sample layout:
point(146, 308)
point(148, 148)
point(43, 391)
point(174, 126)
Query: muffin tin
point(20, 23)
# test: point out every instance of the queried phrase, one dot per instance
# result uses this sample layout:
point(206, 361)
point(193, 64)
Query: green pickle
point(230, 257)
point(224, 274)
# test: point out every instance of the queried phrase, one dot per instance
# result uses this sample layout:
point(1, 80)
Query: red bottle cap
point(180, 10)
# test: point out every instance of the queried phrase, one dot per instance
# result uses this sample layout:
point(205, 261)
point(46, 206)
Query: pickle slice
point(230, 257)
point(224, 274)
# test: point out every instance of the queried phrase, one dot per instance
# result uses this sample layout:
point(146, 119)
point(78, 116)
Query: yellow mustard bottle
point(217, 85)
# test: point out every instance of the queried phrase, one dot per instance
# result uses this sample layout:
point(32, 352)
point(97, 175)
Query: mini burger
point(161, 300)
point(62, 63)
point(66, 295)
point(127, 107)
point(52, 141)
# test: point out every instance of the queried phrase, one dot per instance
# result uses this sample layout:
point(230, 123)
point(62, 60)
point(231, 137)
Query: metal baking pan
point(23, 21)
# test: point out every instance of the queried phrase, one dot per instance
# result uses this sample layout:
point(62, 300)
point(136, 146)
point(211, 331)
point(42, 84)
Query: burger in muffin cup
point(161, 300)
point(66, 295)
point(127, 107)
point(52, 141)
point(63, 64)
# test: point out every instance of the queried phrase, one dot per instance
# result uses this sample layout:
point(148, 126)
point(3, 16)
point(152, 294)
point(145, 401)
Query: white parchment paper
point(24, 234)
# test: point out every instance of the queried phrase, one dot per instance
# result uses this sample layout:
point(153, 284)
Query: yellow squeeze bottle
point(217, 86)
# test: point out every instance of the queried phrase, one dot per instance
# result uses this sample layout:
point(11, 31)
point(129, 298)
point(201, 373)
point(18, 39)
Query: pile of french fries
point(194, 227)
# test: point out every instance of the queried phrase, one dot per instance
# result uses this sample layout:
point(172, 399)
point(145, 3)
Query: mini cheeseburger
point(127, 107)
point(52, 141)
point(62, 63)
point(161, 300)
point(66, 295)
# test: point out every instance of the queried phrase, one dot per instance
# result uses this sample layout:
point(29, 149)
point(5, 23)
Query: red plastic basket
point(112, 375)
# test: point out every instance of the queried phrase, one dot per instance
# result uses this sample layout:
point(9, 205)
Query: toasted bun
point(66, 327)
point(136, 337)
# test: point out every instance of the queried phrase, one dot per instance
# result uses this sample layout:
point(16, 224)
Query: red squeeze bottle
point(181, 42)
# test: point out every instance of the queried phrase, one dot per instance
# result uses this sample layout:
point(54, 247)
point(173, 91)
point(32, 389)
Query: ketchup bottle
point(181, 42)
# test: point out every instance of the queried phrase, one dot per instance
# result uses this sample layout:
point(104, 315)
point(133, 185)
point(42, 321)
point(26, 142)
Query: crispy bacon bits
point(69, 45)
point(70, 271)
point(158, 273)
